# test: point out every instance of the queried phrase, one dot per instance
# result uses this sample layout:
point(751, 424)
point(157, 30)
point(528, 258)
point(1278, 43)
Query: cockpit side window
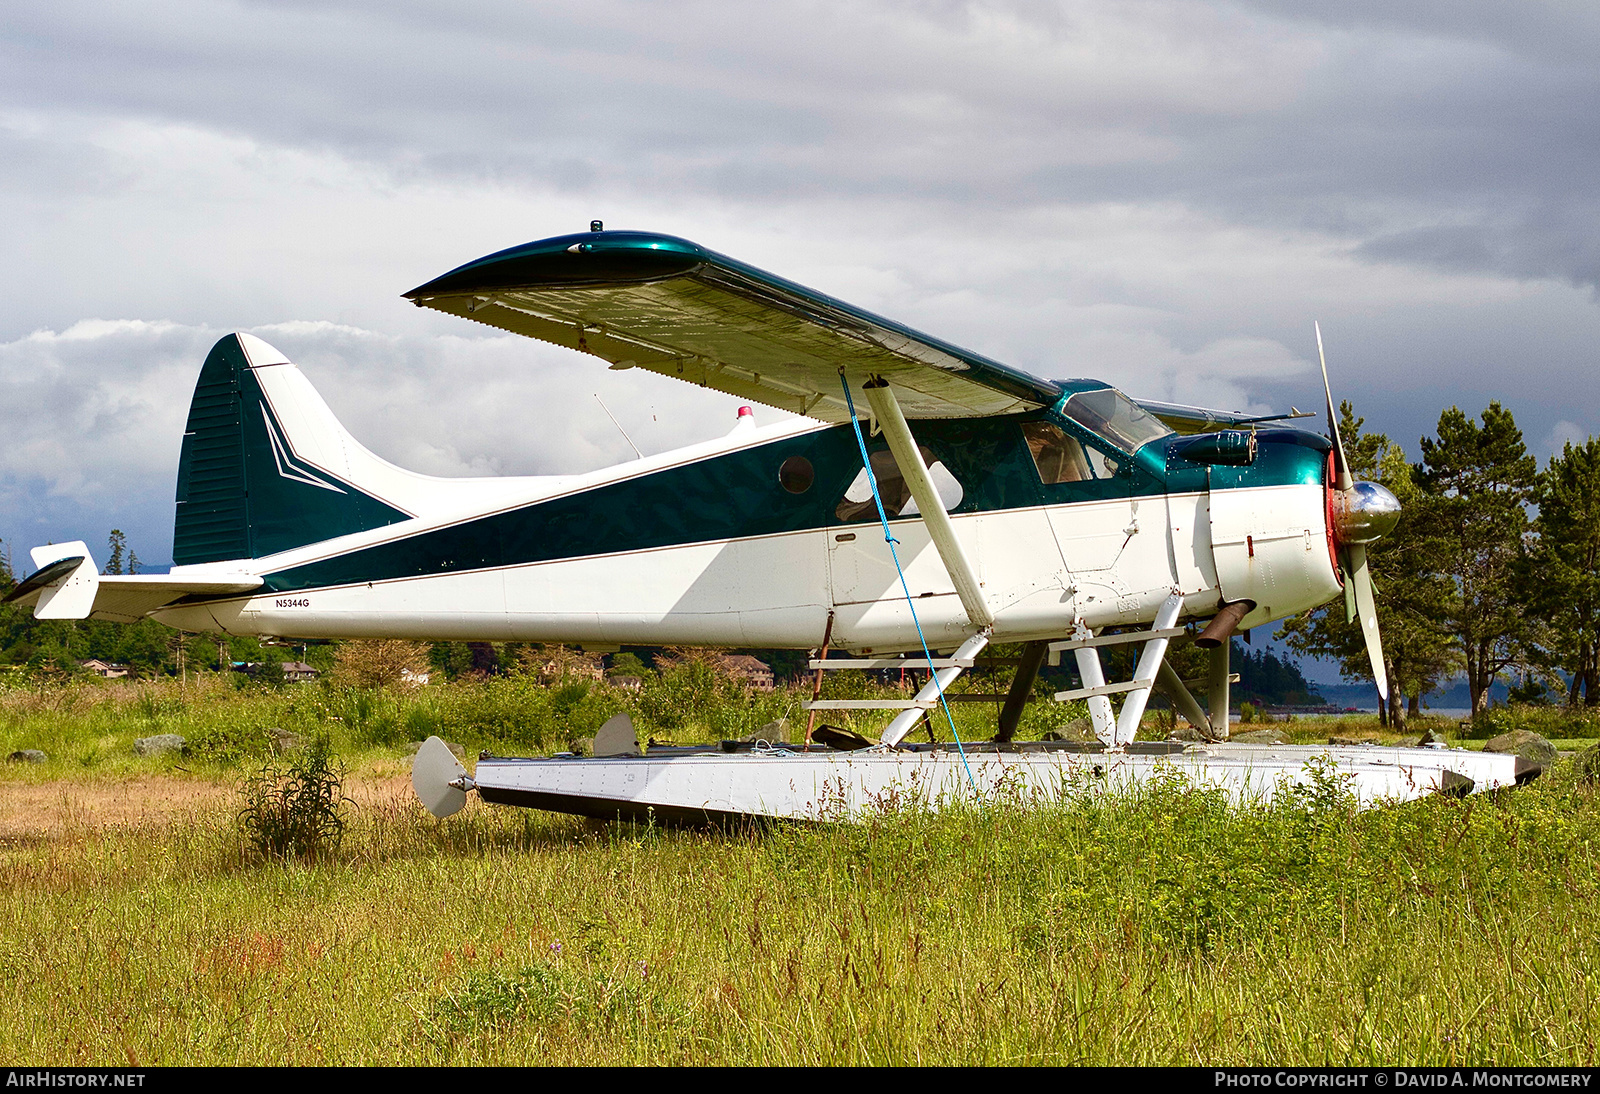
point(1060, 458)
point(897, 500)
point(1110, 414)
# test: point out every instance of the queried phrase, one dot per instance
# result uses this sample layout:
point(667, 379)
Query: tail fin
point(265, 465)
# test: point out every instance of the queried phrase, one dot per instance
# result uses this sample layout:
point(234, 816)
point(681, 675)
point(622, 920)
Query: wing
point(661, 303)
point(1194, 419)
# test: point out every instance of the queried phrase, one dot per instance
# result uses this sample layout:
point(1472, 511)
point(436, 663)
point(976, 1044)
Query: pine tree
point(1478, 481)
point(1562, 579)
point(117, 551)
point(1408, 592)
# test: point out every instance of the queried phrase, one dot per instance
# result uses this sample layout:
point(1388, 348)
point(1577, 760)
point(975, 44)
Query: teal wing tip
point(583, 257)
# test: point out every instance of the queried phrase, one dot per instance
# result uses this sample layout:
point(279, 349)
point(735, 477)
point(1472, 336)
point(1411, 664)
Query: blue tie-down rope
point(888, 537)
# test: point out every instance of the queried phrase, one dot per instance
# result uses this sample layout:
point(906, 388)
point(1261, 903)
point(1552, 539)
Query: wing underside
point(672, 307)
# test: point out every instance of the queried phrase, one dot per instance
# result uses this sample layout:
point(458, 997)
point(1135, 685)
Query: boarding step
point(1103, 689)
point(900, 704)
point(1126, 638)
point(869, 704)
point(832, 663)
point(1202, 681)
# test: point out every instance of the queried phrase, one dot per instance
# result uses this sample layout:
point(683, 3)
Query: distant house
point(627, 683)
point(105, 669)
point(555, 663)
point(293, 671)
point(756, 673)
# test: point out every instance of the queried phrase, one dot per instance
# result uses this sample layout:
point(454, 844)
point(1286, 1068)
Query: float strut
point(1033, 655)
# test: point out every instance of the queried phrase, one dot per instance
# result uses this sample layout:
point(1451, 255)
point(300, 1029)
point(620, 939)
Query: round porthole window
point(796, 475)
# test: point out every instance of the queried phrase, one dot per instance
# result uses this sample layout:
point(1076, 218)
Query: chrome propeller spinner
point(1363, 513)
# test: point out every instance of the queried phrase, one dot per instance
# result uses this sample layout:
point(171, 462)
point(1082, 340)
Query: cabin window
point(796, 474)
point(897, 500)
point(1060, 458)
point(1110, 414)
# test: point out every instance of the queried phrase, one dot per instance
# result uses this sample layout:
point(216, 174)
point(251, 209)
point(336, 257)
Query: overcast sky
point(1162, 195)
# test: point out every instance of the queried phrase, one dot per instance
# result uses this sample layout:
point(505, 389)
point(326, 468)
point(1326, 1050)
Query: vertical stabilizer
point(265, 466)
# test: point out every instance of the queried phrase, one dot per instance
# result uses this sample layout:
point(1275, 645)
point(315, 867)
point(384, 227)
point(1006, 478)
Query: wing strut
point(904, 446)
point(906, 455)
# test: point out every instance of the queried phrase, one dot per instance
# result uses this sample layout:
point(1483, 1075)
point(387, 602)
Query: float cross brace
point(1118, 732)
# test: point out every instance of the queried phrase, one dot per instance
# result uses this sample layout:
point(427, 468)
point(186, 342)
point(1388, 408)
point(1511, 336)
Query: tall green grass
point(93, 724)
point(1161, 927)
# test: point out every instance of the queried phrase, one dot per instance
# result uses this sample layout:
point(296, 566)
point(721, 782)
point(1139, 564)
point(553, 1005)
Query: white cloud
point(93, 415)
point(1562, 434)
point(90, 411)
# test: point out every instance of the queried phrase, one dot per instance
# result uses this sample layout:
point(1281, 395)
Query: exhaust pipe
point(1223, 624)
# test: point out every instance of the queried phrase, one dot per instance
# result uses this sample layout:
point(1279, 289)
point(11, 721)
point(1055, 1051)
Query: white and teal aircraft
point(1060, 514)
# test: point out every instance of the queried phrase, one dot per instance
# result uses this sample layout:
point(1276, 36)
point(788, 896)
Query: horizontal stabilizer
point(66, 586)
point(63, 586)
point(131, 597)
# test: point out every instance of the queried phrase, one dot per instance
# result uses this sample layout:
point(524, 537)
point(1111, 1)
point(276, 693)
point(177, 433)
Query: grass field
point(1162, 928)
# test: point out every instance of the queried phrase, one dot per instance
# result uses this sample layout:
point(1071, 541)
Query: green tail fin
point(243, 490)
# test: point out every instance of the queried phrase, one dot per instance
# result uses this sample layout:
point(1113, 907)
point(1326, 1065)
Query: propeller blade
point(1341, 466)
point(1367, 608)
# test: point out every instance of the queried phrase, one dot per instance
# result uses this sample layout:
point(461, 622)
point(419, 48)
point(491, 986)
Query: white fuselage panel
point(1107, 562)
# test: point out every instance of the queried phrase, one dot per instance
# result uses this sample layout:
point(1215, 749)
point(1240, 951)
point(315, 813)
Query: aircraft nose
point(1365, 513)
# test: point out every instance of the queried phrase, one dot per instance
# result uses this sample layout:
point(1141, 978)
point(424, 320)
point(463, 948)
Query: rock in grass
point(283, 741)
point(27, 756)
point(459, 750)
point(1525, 743)
point(1079, 729)
point(1259, 737)
point(773, 733)
point(159, 745)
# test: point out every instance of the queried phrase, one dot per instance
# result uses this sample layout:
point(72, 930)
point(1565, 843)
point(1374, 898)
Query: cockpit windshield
point(1117, 418)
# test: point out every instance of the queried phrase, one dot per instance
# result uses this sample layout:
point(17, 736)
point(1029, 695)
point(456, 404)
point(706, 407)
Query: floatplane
point(924, 503)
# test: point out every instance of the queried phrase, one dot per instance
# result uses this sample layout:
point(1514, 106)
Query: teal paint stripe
point(736, 495)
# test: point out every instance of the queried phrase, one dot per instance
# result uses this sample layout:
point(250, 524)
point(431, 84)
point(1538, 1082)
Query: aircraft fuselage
point(755, 540)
